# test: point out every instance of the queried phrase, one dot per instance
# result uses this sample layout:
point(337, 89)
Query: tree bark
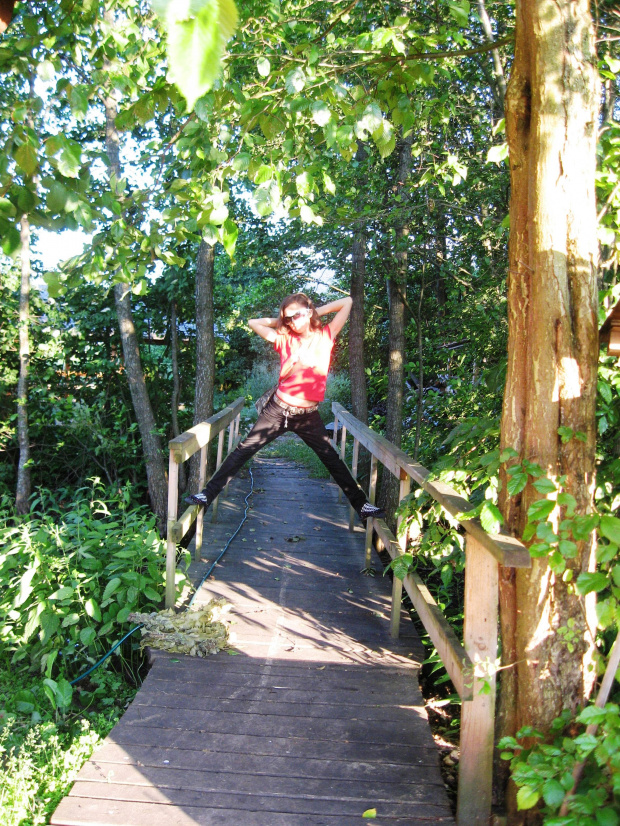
point(551, 125)
point(23, 437)
point(397, 293)
point(205, 346)
point(176, 385)
point(151, 442)
point(357, 371)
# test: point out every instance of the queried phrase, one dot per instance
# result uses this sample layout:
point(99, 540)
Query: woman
point(305, 349)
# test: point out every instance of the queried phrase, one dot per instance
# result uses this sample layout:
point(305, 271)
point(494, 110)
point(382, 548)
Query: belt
point(291, 410)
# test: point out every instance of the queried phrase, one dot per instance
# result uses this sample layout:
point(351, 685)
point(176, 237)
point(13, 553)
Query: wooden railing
point(181, 448)
point(472, 664)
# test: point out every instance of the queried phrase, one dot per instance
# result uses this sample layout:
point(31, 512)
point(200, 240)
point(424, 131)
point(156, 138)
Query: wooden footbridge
point(317, 719)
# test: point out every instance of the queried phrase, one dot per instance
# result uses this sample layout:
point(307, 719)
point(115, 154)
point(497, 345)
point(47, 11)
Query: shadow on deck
point(316, 719)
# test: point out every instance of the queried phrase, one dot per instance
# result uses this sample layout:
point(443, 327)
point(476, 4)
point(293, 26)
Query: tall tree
point(205, 346)
point(551, 119)
point(151, 441)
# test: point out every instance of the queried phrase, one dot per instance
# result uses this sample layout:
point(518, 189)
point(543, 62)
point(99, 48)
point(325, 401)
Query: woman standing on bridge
point(305, 347)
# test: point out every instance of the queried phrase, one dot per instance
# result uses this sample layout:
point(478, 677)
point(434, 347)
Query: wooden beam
point(506, 549)
point(185, 445)
point(478, 717)
point(171, 547)
point(454, 657)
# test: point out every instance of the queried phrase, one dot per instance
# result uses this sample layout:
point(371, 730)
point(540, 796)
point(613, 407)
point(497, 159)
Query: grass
point(42, 751)
point(292, 448)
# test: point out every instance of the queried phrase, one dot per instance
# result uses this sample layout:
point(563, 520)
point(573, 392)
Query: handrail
point(471, 666)
point(508, 551)
point(181, 448)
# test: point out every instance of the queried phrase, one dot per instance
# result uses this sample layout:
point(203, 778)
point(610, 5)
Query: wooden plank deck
point(315, 720)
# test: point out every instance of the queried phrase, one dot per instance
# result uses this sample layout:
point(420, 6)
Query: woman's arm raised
point(265, 327)
point(342, 308)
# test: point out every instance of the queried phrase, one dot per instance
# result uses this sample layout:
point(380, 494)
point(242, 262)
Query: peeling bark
point(551, 108)
point(205, 346)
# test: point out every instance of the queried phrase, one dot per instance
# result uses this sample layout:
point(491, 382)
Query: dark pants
point(273, 422)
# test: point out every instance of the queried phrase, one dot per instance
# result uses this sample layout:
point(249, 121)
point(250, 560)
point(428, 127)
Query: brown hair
point(303, 301)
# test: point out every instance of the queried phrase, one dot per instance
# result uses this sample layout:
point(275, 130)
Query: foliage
point(544, 771)
point(38, 765)
point(71, 575)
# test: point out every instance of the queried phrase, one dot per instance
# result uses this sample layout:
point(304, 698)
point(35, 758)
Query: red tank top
point(308, 377)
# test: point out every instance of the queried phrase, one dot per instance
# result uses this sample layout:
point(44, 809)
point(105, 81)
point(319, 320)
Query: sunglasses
point(299, 314)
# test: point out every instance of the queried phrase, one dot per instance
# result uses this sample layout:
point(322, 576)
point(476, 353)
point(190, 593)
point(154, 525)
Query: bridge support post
point(218, 462)
point(372, 493)
point(343, 453)
point(356, 453)
point(171, 545)
point(202, 477)
point(478, 714)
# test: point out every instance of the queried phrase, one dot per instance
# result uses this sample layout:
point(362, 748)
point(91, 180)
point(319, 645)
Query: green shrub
point(71, 574)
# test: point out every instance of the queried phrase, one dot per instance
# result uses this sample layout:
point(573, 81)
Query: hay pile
point(198, 631)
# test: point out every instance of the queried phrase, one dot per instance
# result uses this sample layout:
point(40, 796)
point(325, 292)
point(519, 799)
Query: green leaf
point(123, 614)
point(62, 593)
point(263, 66)
point(45, 70)
point(370, 814)
point(304, 183)
point(70, 160)
point(88, 636)
point(266, 198)
point(25, 586)
point(57, 197)
point(588, 582)
point(229, 237)
point(70, 619)
point(540, 509)
point(497, 154)
point(197, 33)
point(26, 158)
point(610, 528)
point(50, 623)
point(295, 81)
point(110, 588)
point(517, 481)
point(490, 517)
point(583, 526)
point(460, 11)
point(321, 113)
point(607, 817)
point(553, 793)
point(92, 609)
point(64, 692)
point(544, 485)
point(151, 594)
point(508, 453)
point(527, 798)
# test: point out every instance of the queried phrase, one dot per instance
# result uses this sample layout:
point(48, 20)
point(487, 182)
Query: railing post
point(220, 452)
point(397, 584)
point(231, 442)
point(372, 493)
point(171, 545)
point(202, 477)
point(478, 715)
point(356, 452)
point(343, 453)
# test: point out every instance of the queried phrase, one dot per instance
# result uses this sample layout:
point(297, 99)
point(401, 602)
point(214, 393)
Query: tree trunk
point(176, 385)
point(151, 442)
point(23, 438)
point(205, 346)
point(357, 371)
point(551, 125)
point(397, 293)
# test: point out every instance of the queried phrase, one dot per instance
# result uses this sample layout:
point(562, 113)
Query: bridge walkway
point(314, 719)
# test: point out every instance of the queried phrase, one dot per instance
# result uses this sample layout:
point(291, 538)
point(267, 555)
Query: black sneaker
point(198, 499)
point(369, 511)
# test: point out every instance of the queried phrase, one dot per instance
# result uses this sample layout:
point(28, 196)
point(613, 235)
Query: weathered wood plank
point(188, 809)
point(185, 445)
point(453, 655)
point(478, 716)
point(317, 718)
